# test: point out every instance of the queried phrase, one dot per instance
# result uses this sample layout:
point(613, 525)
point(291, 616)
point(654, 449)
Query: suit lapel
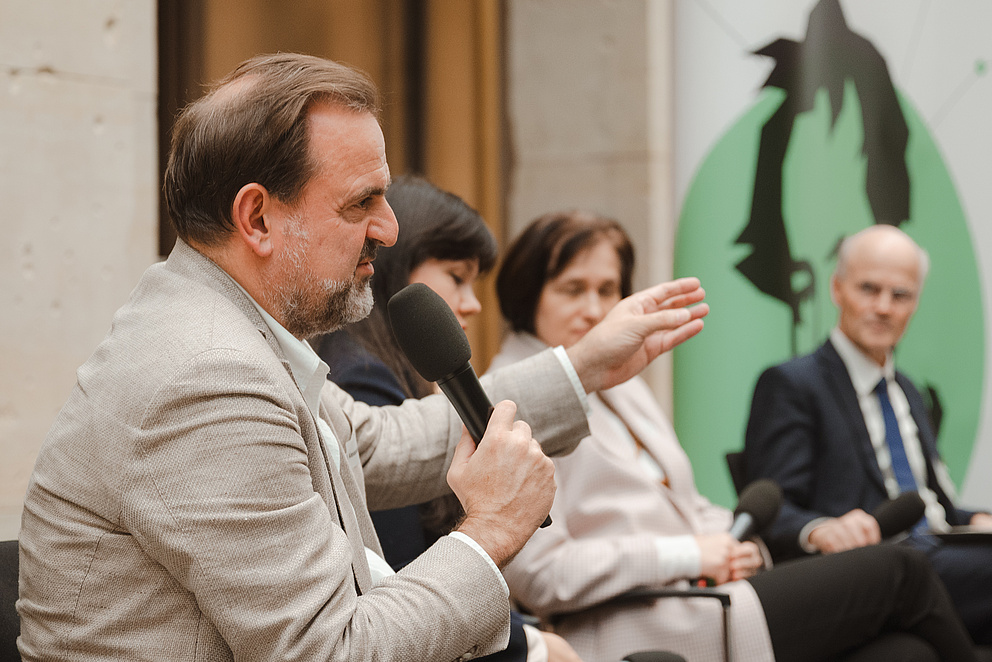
point(839, 383)
point(345, 494)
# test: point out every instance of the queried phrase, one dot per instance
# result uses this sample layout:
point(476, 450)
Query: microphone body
point(433, 341)
point(757, 508)
point(469, 400)
point(743, 526)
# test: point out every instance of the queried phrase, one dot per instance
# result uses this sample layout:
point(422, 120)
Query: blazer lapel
point(839, 383)
point(345, 494)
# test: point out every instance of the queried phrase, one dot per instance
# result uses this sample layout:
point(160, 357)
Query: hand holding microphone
point(856, 528)
point(728, 556)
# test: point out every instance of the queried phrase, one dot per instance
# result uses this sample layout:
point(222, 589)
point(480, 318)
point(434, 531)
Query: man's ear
point(248, 213)
point(834, 284)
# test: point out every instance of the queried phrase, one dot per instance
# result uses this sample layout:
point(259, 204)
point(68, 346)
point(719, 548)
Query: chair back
point(10, 623)
point(738, 474)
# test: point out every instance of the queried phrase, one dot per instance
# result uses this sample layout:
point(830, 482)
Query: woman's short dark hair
point(544, 249)
point(433, 224)
point(252, 127)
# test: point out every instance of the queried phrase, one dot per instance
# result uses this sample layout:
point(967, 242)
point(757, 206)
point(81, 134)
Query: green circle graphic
point(823, 199)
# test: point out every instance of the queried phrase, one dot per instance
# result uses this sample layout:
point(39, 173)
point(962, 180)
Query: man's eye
point(869, 288)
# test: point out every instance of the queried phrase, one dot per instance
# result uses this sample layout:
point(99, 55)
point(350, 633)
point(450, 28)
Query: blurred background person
point(444, 244)
point(627, 513)
point(841, 430)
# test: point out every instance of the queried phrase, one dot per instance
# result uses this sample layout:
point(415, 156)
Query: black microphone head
point(899, 514)
point(762, 500)
point(428, 332)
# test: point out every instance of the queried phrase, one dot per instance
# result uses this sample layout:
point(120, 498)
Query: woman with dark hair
point(446, 245)
point(627, 514)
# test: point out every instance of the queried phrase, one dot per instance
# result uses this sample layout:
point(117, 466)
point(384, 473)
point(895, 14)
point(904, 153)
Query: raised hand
point(636, 331)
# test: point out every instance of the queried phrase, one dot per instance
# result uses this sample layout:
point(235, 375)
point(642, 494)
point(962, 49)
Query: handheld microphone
point(432, 339)
point(897, 515)
point(653, 656)
point(757, 508)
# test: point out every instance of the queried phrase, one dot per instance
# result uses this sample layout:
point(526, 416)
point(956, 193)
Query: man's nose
point(383, 227)
point(883, 303)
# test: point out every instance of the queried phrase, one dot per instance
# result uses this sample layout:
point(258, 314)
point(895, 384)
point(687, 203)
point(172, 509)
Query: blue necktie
point(893, 439)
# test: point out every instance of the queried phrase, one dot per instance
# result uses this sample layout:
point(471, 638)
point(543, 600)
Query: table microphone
point(432, 339)
point(897, 515)
point(756, 509)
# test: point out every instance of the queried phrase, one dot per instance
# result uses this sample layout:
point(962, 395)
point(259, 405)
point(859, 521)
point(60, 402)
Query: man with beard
point(204, 492)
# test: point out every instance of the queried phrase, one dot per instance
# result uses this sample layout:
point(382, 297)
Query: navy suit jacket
point(807, 433)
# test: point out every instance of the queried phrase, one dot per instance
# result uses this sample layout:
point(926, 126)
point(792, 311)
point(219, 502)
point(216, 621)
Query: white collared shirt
point(865, 375)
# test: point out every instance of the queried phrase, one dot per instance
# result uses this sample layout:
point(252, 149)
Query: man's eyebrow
point(372, 190)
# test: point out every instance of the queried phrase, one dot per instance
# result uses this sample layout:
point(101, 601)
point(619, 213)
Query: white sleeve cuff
point(537, 648)
point(477, 547)
point(573, 377)
point(804, 543)
point(678, 556)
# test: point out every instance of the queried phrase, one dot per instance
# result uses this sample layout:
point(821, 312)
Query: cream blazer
point(607, 513)
point(183, 506)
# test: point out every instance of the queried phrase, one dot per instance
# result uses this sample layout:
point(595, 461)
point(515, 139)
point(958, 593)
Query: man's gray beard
point(311, 307)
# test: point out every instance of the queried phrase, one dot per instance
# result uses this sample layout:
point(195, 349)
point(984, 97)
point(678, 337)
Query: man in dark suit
point(841, 431)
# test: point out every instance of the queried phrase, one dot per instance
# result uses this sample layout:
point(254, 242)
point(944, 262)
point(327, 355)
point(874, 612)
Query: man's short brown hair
point(252, 127)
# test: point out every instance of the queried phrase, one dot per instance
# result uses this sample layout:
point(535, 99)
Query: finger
point(656, 295)
point(676, 317)
point(683, 300)
point(464, 450)
point(502, 417)
point(665, 340)
point(523, 429)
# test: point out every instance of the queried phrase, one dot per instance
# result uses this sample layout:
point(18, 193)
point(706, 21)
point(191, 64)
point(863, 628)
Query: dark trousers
point(883, 602)
point(966, 570)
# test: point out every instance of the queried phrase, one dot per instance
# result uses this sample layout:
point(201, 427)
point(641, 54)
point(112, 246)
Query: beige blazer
point(607, 513)
point(183, 506)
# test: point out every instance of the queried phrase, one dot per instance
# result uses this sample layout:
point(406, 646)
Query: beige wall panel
point(78, 177)
point(589, 98)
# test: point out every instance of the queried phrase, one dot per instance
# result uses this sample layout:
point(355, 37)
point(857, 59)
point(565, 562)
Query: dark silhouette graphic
point(830, 55)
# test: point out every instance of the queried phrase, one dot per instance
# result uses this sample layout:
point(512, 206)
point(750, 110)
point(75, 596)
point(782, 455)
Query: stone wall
point(78, 181)
point(589, 116)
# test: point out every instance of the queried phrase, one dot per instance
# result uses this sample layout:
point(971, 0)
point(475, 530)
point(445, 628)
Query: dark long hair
point(544, 249)
point(433, 224)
